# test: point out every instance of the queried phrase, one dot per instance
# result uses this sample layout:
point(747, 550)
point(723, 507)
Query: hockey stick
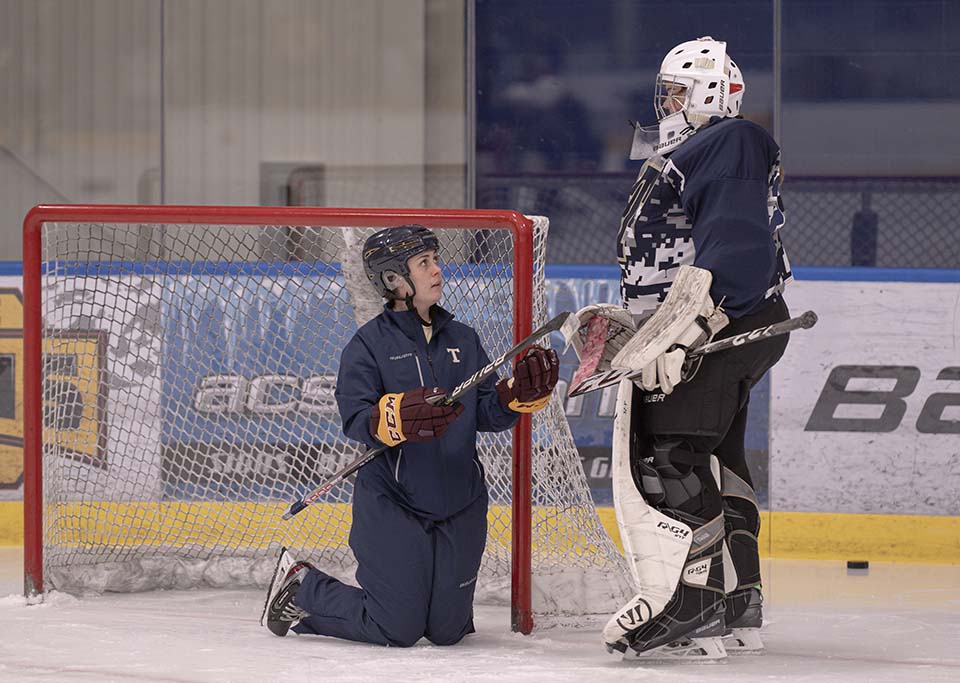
point(557, 324)
point(605, 379)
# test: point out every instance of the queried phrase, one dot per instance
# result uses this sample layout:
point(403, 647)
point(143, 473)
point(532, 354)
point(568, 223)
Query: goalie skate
point(688, 649)
point(701, 644)
point(743, 635)
point(279, 612)
point(743, 641)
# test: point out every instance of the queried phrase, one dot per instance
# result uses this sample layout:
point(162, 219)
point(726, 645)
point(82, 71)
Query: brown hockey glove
point(412, 416)
point(534, 377)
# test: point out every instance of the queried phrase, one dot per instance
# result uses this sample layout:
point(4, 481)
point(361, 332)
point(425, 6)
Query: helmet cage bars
point(670, 89)
point(386, 252)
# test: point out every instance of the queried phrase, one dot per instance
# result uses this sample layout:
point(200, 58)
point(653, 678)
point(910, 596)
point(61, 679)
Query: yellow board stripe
point(897, 538)
point(835, 536)
point(809, 535)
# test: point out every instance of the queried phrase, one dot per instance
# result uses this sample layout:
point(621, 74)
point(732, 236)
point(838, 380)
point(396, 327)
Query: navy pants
point(417, 576)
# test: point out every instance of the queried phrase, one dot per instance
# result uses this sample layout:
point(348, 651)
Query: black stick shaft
point(803, 321)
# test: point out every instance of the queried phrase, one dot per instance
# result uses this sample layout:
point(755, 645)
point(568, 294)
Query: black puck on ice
point(858, 564)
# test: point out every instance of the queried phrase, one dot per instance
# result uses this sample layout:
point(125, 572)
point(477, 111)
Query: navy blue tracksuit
point(420, 509)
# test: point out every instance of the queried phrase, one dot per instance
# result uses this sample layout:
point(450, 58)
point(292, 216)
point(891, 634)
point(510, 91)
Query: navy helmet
point(386, 252)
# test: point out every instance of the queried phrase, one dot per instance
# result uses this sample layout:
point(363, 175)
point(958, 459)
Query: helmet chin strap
point(416, 313)
point(408, 300)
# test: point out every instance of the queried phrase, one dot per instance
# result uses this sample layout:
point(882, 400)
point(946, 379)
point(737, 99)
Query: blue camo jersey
point(390, 354)
point(714, 203)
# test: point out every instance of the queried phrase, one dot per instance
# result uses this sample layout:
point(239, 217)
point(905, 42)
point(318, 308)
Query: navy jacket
point(434, 479)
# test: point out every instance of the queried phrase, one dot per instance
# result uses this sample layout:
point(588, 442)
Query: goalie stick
point(611, 377)
point(557, 324)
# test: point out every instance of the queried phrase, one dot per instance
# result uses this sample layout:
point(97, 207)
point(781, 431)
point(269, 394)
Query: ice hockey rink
point(893, 622)
point(197, 179)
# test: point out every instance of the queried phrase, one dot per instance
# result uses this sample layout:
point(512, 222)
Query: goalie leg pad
point(673, 544)
point(741, 513)
point(744, 614)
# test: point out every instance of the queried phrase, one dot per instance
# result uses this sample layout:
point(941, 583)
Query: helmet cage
point(666, 92)
point(703, 98)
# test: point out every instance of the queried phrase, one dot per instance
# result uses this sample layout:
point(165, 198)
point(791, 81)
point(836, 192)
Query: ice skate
point(671, 638)
point(690, 649)
point(279, 612)
point(743, 634)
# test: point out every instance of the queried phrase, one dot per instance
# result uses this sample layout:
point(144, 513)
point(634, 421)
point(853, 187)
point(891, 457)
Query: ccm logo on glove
point(412, 416)
point(534, 377)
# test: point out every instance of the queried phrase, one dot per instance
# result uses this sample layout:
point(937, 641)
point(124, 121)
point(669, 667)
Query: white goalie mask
point(697, 81)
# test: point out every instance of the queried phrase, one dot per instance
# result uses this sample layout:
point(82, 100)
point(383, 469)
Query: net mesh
point(188, 399)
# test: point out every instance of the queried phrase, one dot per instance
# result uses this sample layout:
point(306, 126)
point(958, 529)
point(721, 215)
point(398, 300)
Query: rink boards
point(258, 526)
point(864, 423)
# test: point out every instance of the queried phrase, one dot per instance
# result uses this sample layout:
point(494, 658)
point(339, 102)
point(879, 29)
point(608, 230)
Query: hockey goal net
point(179, 367)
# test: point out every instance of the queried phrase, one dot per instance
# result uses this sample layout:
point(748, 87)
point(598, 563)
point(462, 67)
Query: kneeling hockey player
point(420, 509)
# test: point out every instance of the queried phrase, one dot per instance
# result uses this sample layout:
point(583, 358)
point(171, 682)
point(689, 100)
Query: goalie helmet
point(697, 81)
point(386, 252)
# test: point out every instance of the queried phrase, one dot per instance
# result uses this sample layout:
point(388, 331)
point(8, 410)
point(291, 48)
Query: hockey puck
point(858, 564)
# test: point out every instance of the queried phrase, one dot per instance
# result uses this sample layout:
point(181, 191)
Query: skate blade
point(689, 650)
point(284, 562)
point(743, 641)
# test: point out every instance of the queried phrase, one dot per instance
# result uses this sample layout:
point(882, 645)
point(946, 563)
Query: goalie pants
point(708, 415)
point(417, 576)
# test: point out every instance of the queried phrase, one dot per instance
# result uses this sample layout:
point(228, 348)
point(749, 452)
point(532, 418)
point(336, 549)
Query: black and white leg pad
point(741, 512)
point(671, 561)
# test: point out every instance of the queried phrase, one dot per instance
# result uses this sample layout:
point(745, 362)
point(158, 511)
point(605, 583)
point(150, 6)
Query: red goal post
point(90, 249)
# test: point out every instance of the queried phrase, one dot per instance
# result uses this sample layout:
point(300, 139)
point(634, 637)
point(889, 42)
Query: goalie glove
point(603, 330)
point(534, 377)
point(413, 415)
point(620, 327)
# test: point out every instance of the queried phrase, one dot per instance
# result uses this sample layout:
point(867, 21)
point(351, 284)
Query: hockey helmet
point(697, 81)
point(386, 252)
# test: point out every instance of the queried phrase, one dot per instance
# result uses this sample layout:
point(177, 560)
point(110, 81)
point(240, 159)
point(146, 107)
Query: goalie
point(420, 509)
point(700, 255)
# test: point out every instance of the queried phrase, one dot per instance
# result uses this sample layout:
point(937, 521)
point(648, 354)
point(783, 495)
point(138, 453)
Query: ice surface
point(896, 622)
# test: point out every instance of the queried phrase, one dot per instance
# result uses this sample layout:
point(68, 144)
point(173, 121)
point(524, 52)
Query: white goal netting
point(188, 376)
